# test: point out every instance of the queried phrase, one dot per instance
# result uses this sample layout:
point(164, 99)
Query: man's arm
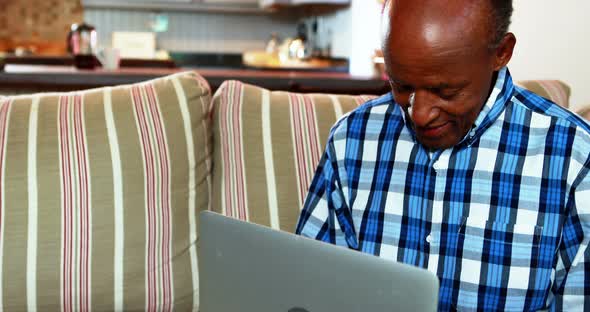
point(326, 215)
point(572, 277)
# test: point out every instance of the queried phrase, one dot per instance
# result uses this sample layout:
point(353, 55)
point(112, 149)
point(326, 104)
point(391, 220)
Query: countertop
point(68, 78)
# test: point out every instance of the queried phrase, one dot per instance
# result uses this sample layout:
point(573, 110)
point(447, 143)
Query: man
point(459, 171)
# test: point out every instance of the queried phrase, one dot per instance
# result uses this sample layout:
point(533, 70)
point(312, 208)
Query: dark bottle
point(82, 41)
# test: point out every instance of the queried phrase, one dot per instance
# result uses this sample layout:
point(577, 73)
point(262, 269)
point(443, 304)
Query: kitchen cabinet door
point(232, 3)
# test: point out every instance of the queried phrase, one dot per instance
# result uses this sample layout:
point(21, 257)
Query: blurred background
point(303, 35)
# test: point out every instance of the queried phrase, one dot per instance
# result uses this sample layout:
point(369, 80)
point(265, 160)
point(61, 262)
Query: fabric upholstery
point(99, 194)
point(554, 90)
point(267, 147)
point(584, 111)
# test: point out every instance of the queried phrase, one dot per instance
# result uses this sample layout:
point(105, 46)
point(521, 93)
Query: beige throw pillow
point(99, 195)
point(267, 147)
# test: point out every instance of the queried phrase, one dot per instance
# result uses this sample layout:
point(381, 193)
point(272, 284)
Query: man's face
point(446, 63)
point(449, 93)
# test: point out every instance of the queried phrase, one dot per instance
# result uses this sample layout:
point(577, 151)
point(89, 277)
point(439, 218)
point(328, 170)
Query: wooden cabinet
point(237, 4)
point(38, 26)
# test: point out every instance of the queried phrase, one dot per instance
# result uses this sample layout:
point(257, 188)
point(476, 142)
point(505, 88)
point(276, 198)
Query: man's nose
point(423, 109)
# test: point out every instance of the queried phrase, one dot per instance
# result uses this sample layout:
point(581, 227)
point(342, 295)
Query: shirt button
point(428, 238)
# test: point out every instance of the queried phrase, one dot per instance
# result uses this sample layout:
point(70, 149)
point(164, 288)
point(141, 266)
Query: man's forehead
point(436, 82)
point(464, 22)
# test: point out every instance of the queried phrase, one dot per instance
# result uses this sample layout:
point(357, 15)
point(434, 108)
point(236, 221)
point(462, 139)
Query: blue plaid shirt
point(502, 218)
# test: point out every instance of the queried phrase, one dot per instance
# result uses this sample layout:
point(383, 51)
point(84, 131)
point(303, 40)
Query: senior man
point(458, 170)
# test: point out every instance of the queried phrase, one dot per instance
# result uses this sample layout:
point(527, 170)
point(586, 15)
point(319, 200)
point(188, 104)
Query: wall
point(366, 37)
point(340, 32)
point(196, 31)
point(356, 34)
point(553, 43)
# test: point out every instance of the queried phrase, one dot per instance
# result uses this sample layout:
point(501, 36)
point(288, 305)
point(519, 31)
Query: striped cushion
point(584, 111)
point(99, 191)
point(267, 146)
point(554, 90)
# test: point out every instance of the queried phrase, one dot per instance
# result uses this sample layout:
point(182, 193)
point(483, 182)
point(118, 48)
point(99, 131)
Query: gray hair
point(501, 17)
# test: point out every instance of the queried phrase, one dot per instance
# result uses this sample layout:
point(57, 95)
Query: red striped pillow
point(267, 147)
point(99, 192)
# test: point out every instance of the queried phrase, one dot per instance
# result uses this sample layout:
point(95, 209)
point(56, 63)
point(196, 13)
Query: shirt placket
point(433, 208)
point(423, 238)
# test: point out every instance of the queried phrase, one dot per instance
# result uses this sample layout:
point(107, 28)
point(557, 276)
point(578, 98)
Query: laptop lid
point(248, 267)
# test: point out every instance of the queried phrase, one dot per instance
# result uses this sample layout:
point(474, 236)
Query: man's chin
point(436, 143)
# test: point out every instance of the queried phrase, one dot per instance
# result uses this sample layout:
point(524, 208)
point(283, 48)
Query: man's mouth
point(436, 131)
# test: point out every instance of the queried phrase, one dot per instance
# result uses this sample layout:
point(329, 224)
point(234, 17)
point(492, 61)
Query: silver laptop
point(248, 267)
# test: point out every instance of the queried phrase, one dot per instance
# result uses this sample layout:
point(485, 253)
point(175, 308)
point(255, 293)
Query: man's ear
point(503, 52)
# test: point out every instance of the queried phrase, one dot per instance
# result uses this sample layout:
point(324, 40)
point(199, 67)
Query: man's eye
point(401, 88)
point(447, 94)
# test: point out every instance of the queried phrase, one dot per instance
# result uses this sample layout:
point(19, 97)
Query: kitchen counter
point(67, 78)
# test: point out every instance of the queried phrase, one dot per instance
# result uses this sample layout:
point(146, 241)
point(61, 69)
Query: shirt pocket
point(517, 244)
point(507, 260)
point(494, 237)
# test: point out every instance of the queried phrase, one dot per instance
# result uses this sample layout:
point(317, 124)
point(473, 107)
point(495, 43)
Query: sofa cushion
point(554, 90)
point(584, 111)
point(267, 146)
point(99, 195)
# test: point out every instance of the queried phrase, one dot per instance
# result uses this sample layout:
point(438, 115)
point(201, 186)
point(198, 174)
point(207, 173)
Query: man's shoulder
point(542, 107)
point(552, 119)
point(371, 111)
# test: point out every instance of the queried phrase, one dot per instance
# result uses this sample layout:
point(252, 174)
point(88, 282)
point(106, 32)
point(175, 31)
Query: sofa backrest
point(584, 111)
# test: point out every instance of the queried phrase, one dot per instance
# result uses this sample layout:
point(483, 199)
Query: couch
point(100, 190)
